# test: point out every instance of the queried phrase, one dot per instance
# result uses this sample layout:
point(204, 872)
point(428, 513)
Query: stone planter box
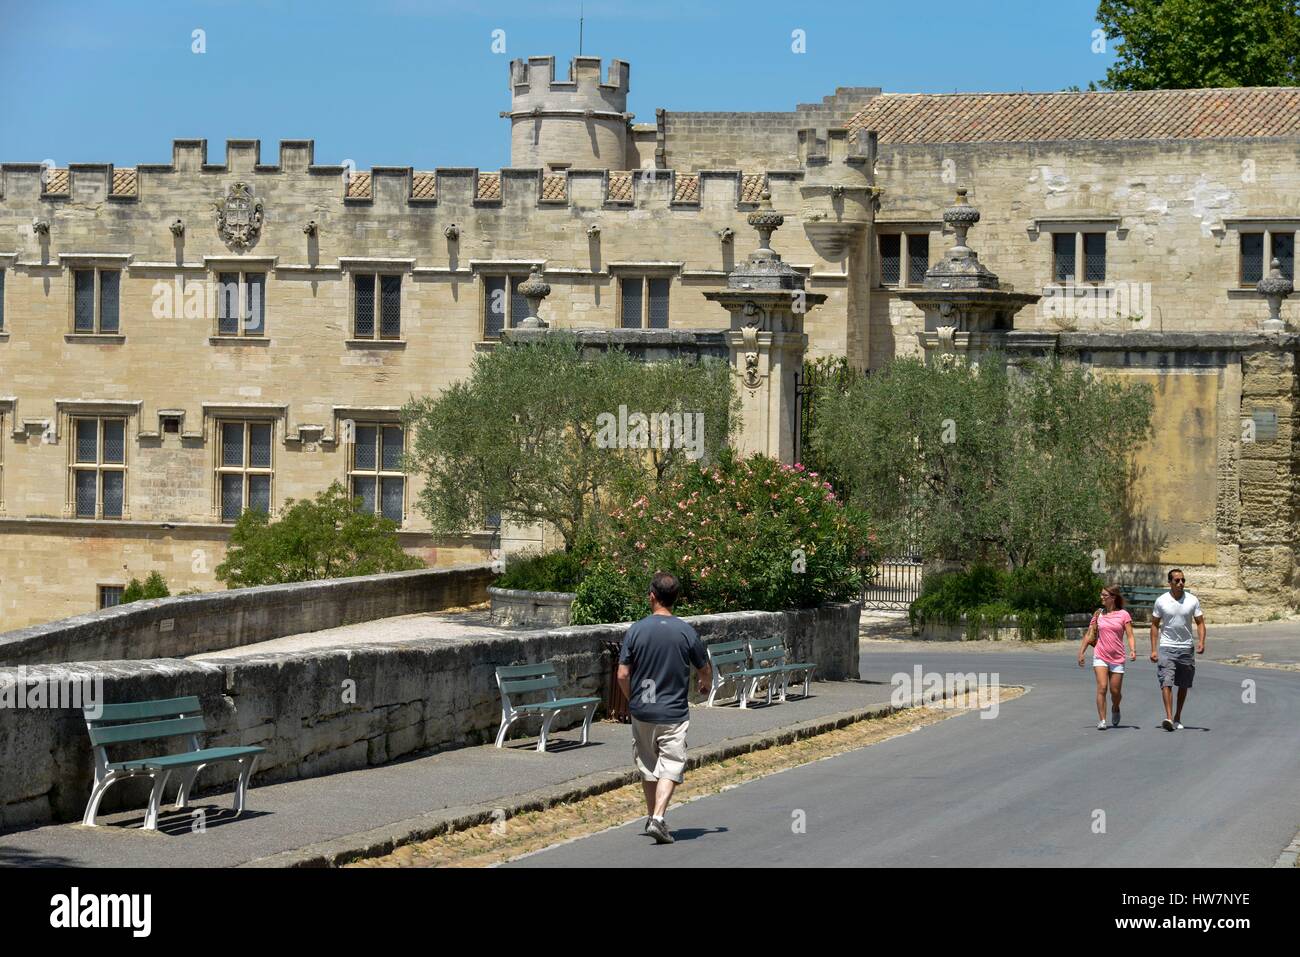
point(543, 609)
point(1006, 630)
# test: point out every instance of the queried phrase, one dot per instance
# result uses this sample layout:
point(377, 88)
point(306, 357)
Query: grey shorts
point(1175, 669)
point(660, 749)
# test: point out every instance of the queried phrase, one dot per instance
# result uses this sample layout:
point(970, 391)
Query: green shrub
point(606, 595)
point(549, 571)
point(738, 534)
point(1038, 597)
point(155, 586)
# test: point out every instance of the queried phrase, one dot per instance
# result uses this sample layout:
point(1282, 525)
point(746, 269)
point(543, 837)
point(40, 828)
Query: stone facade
point(592, 200)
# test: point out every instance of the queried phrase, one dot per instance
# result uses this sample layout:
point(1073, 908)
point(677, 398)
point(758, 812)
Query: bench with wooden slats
point(514, 680)
point(129, 723)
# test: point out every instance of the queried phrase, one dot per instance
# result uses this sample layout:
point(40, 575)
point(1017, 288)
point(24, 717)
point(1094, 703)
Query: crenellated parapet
point(36, 188)
point(581, 121)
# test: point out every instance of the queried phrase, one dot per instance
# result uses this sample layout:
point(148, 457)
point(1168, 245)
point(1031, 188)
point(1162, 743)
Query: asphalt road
point(1023, 788)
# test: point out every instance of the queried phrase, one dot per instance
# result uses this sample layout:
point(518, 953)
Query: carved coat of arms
point(239, 217)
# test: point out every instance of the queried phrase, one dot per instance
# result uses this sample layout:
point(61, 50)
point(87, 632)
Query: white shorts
point(659, 749)
point(1113, 669)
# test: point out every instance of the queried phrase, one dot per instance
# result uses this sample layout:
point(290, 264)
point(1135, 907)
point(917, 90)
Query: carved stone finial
point(310, 227)
point(1275, 287)
point(726, 234)
point(452, 233)
point(961, 216)
point(534, 289)
point(177, 227)
point(593, 230)
point(41, 227)
point(765, 221)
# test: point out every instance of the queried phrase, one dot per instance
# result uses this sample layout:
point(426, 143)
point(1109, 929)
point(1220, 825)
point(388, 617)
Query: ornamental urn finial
point(534, 289)
point(1275, 287)
point(961, 216)
point(765, 221)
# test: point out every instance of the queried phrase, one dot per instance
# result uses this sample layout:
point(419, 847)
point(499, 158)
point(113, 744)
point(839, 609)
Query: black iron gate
point(896, 580)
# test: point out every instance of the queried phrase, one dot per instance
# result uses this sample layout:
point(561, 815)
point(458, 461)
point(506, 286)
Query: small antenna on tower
point(580, 18)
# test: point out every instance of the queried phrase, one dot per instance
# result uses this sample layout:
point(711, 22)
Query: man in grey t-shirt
point(1171, 622)
point(654, 671)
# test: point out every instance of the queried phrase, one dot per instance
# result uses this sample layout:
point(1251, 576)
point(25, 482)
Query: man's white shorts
point(660, 749)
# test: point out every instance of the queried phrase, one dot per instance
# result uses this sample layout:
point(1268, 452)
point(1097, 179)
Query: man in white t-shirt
point(1172, 642)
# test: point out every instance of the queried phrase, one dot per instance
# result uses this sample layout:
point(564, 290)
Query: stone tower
point(579, 122)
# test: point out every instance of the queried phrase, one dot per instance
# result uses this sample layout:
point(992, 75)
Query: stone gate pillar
point(766, 341)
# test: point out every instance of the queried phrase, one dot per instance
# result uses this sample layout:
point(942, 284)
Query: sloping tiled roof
point(424, 186)
point(56, 181)
point(553, 187)
point(688, 188)
point(620, 187)
point(359, 186)
point(751, 187)
point(1022, 117)
point(124, 182)
point(489, 186)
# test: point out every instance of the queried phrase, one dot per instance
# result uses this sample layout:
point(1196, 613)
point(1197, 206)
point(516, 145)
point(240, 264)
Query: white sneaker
point(1178, 726)
point(1101, 725)
point(1114, 718)
point(1167, 724)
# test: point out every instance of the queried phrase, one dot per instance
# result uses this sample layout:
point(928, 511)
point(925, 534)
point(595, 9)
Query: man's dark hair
point(665, 588)
point(1170, 576)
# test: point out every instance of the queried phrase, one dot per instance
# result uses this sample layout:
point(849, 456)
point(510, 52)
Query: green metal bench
point(768, 655)
point(1140, 598)
point(530, 679)
point(115, 724)
point(746, 663)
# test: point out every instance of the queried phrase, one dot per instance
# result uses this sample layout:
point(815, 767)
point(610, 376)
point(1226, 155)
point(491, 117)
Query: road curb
point(1290, 856)
point(383, 840)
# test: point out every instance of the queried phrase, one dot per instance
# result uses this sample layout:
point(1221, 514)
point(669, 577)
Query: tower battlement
point(580, 121)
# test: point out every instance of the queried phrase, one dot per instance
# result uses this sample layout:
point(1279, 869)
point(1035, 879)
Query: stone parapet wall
point(194, 624)
point(345, 708)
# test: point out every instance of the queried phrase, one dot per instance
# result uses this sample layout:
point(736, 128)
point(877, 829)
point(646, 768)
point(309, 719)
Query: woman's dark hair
point(1114, 592)
point(665, 588)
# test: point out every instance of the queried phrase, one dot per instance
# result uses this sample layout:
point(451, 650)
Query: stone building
point(181, 341)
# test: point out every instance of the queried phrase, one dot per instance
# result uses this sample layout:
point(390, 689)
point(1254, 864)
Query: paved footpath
point(1025, 788)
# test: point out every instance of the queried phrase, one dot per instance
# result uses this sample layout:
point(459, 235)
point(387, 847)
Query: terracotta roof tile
point(489, 186)
point(751, 187)
point(688, 188)
point(620, 187)
point(124, 182)
point(56, 181)
point(359, 186)
point(1025, 117)
point(424, 186)
point(553, 186)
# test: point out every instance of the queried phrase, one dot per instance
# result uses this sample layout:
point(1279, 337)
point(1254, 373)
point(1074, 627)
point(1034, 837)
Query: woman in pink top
point(1110, 625)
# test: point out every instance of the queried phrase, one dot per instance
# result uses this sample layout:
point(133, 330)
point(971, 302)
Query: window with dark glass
point(110, 596)
point(891, 258)
point(1094, 257)
point(1063, 257)
point(95, 301)
point(1252, 258)
point(244, 468)
point(98, 466)
point(643, 302)
point(376, 472)
point(918, 257)
point(630, 290)
point(657, 303)
point(363, 325)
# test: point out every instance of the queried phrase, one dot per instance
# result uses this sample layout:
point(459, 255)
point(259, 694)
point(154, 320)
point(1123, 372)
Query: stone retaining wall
point(538, 609)
point(1006, 630)
point(213, 621)
point(342, 708)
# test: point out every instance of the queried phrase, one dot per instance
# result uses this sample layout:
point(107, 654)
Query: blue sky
point(412, 83)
